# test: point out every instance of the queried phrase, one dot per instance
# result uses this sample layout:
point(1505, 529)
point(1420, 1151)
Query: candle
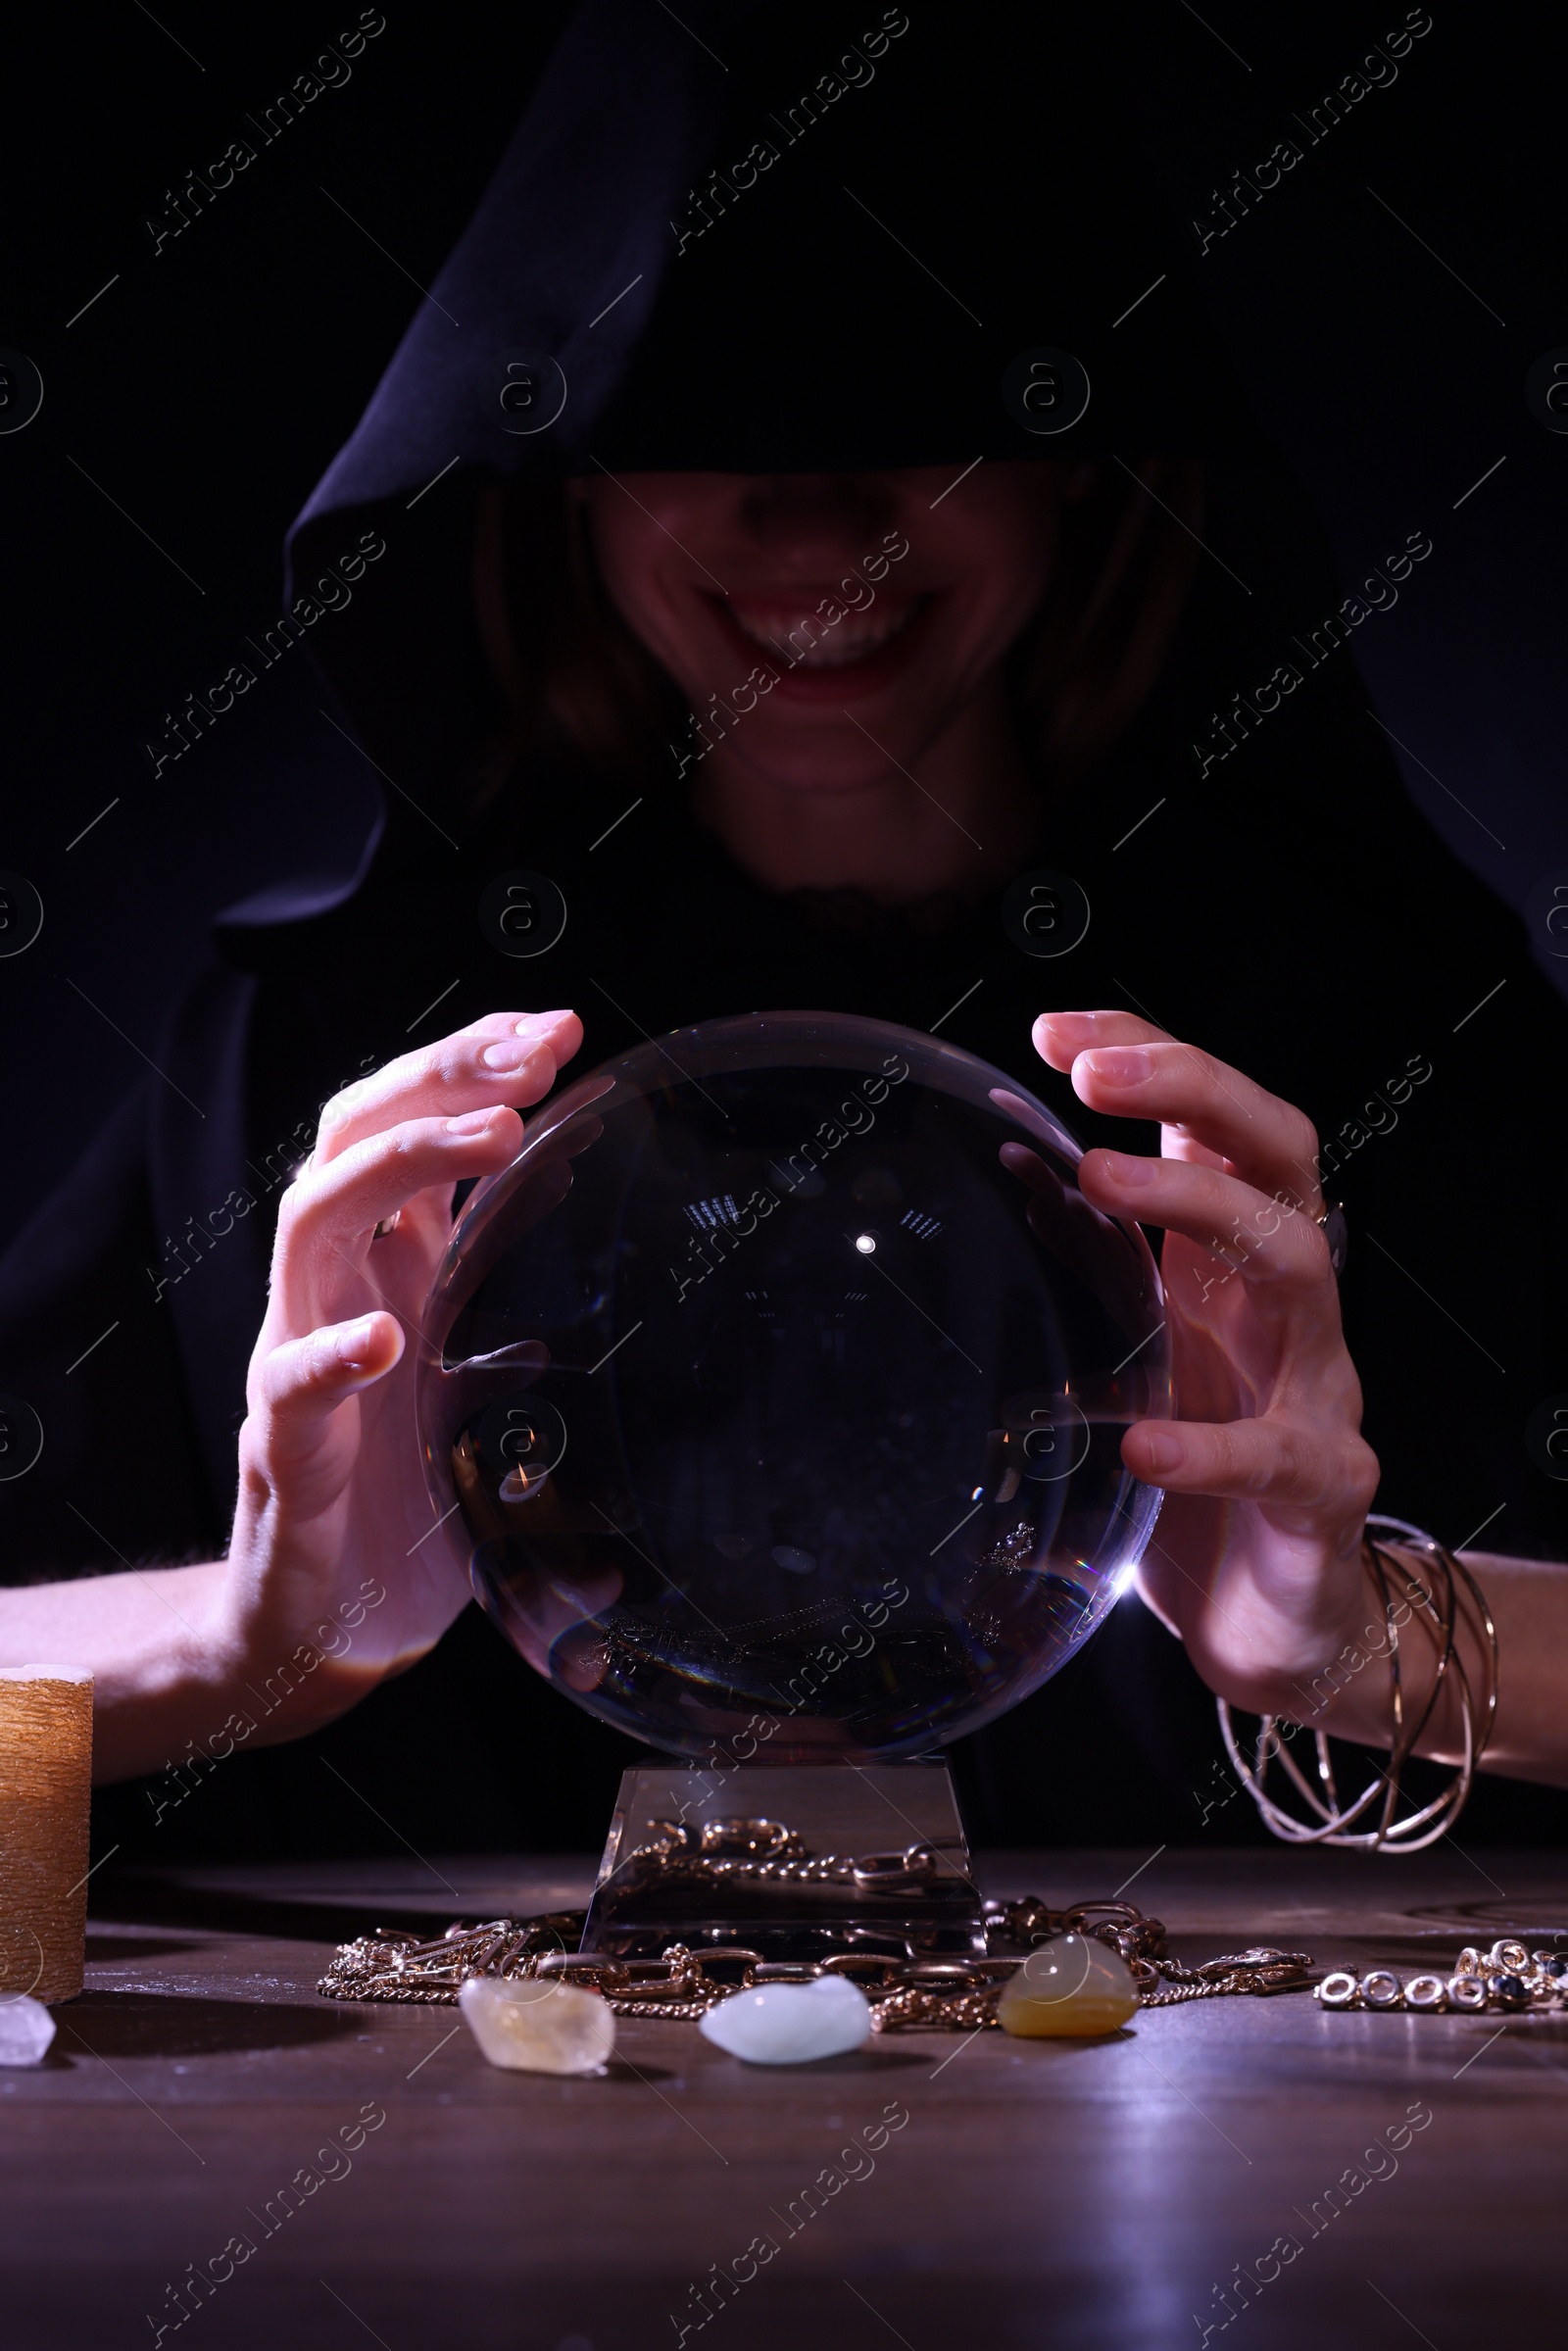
point(45, 1788)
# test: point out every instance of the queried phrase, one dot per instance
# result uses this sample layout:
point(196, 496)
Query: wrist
point(289, 1669)
point(1384, 1686)
point(1422, 1585)
point(160, 1675)
point(1283, 1640)
point(1347, 1685)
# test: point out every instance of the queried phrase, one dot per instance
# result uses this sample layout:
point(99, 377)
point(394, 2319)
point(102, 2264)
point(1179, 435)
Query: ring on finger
point(1336, 1233)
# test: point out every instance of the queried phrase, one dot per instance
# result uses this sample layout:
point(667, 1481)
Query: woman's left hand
point(1255, 1559)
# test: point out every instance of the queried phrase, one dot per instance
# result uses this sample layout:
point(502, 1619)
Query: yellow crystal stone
point(1072, 1986)
point(532, 2026)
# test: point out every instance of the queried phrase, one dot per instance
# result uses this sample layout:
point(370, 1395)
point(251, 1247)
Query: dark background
point(207, 389)
point(210, 384)
point(205, 392)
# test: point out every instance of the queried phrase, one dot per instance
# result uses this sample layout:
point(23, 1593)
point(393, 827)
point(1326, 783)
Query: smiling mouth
point(798, 635)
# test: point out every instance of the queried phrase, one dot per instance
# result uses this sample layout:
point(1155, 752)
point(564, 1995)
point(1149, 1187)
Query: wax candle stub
point(530, 2024)
point(791, 2023)
point(45, 1788)
point(1070, 1987)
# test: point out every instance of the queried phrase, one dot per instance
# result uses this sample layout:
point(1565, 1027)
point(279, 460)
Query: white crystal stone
point(25, 2031)
point(791, 2023)
point(1070, 1989)
point(534, 2026)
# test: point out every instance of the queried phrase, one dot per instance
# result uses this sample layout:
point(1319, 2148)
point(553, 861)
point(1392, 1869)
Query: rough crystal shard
point(25, 2031)
point(791, 2023)
point(532, 2026)
point(1071, 1987)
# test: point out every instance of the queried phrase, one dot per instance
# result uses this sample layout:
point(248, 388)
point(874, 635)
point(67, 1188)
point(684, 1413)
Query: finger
point(1268, 1141)
point(1060, 1037)
point(1279, 1462)
point(1270, 1243)
point(507, 1056)
point(302, 1383)
point(326, 1209)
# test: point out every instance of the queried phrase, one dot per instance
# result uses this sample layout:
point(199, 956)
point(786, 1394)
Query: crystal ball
point(774, 1394)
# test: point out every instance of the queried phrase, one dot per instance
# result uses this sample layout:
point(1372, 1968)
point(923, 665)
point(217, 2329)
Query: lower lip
point(841, 681)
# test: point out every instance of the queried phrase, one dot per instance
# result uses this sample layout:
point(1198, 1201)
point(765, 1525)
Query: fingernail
point(1134, 1172)
point(355, 1339)
point(513, 1052)
point(532, 1022)
point(1121, 1064)
point(1165, 1451)
point(472, 1122)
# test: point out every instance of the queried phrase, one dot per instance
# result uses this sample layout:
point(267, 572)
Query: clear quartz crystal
point(791, 2023)
point(532, 2026)
point(1070, 1987)
point(25, 2031)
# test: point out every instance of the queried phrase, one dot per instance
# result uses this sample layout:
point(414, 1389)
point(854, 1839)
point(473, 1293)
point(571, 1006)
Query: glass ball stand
point(707, 1858)
point(774, 1399)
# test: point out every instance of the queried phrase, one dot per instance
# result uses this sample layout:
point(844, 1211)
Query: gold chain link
point(958, 1995)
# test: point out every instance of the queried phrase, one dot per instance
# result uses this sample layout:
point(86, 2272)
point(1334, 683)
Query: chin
point(825, 771)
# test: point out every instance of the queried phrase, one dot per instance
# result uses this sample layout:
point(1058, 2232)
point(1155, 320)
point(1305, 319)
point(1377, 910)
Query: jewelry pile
point(1507, 1978)
point(916, 1992)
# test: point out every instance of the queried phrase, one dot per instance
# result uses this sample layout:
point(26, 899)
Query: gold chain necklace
point(915, 1993)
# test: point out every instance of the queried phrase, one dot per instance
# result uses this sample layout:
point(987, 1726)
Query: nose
point(804, 519)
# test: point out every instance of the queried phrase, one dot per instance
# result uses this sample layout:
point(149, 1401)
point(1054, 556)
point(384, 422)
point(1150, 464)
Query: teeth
point(785, 631)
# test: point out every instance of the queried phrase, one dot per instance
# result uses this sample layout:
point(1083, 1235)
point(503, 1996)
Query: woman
point(745, 653)
point(1256, 1563)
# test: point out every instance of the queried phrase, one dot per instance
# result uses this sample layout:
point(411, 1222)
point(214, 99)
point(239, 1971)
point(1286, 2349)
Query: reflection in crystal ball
point(777, 1389)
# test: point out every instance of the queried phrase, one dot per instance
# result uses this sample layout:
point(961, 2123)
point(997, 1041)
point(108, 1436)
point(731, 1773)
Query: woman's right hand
point(332, 1502)
point(1256, 1560)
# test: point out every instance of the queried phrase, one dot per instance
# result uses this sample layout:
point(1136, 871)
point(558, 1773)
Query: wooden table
point(1037, 2193)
